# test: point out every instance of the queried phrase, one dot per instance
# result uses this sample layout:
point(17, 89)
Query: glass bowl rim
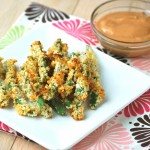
point(102, 35)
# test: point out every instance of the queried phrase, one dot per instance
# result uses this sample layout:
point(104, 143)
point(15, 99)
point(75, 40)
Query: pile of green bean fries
point(52, 80)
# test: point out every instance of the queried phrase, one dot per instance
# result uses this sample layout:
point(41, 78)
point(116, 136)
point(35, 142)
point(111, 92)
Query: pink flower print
point(106, 137)
point(4, 127)
point(142, 63)
point(79, 29)
point(139, 106)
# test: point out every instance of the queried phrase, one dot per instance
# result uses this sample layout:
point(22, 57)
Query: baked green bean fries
point(52, 80)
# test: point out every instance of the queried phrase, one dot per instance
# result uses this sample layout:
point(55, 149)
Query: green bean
point(82, 88)
point(58, 105)
point(42, 59)
point(15, 93)
point(4, 98)
point(96, 90)
point(45, 109)
point(93, 100)
point(28, 79)
point(56, 80)
point(30, 84)
point(59, 48)
point(2, 71)
point(75, 108)
point(35, 109)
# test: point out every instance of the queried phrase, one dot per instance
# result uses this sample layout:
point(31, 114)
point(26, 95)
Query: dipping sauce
point(125, 26)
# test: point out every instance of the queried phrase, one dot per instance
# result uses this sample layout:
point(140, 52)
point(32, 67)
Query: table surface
point(11, 11)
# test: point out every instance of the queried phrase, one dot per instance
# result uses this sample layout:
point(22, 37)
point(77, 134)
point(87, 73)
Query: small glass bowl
point(128, 49)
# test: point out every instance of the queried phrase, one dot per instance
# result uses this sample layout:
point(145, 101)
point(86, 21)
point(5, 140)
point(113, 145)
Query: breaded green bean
point(4, 98)
point(75, 108)
point(2, 70)
point(78, 82)
point(13, 90)
point(82, 85)
point(45, 109)
point(41, 58)
point(96, 90)
point(38, 108)
point(58, 105)
point(58, 48)
point(56, 80)
point(27, 79)
point(81, 89)
point(15, 93)
point(27, 110)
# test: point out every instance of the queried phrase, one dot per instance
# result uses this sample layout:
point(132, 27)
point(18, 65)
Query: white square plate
point(122, 85)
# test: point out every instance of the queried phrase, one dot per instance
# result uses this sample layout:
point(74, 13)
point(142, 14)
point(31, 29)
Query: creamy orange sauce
point(125, 26)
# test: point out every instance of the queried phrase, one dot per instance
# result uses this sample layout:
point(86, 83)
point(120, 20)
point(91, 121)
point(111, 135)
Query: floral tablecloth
point(130, 128)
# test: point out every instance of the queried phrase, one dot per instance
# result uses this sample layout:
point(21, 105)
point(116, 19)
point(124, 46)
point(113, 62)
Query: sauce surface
point(125, 26)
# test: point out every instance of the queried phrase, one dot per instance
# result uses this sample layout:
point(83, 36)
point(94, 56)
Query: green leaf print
point(12, 35)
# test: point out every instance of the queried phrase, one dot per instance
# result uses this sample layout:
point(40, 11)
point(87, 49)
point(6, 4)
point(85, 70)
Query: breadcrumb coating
point(50, 80)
